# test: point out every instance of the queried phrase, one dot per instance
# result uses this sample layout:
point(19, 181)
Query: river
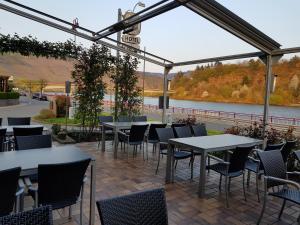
point(281, 111)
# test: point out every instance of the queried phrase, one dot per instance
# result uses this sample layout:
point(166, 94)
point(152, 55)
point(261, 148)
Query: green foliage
point(27, 46)
point(127, 94)
point(88, 74)
point(9, 95)
point(46, 114)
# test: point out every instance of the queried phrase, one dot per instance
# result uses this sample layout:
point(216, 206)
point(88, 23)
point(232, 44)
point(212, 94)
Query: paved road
point(25, 108)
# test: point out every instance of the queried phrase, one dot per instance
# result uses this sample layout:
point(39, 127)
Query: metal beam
point(286, 51)
point(224, 18)
point(85, 29)
point(74, 32)
point(136, 19)
point(165, 93)
point(218, 59)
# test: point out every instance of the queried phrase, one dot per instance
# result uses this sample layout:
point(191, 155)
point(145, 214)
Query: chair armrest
point(85, 179)
point(27, 181)
point(284, 181)
point(163, 143)
point(21, 183)
point(19, 192)
point(253, 159)
point(218, 159)
point(293, 173)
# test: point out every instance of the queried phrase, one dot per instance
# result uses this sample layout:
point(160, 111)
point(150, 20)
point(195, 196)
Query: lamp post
point(140, 4)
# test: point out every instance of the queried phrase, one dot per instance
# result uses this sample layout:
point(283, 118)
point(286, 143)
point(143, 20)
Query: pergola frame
point(270, 51)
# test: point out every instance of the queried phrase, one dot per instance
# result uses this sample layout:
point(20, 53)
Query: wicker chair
point(10, 195)
point(15, 121)
point(147, 207)
point(38, 216)
point(164, 134)
point(139, 119)
point(33, 142)
point(151, 136)
point(275, 175)
point(234, 168)
point(124, 119)
point(199, 130)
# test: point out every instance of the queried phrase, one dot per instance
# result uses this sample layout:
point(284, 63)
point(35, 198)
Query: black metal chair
point(151, 137)
point(104, 119)
point(124, 119)
point(33, 142)
point(164, 134)
point(10, 194)
point(3, 141)
point(253, 165)
point(139, 119)
point(275, 175)
point(24, 131)
point(15, 121)
point(199, 130)
point(234, 168)
point(183, 131)
point(38, 216)
point(173, 125)
point(147, 207)
point(60, 185)
point(134, 138)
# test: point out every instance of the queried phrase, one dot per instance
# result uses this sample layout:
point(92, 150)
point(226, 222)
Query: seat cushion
point(222, 169)
point(182, 154)
point(288, 194)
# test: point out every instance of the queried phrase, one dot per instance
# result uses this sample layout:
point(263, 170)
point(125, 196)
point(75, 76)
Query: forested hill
point(240, 83)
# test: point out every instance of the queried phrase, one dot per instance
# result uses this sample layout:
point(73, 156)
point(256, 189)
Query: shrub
point(46, 114)
point(9, 95)
point(56, 129)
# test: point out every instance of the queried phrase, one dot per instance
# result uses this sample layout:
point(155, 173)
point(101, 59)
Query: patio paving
point(118, 177)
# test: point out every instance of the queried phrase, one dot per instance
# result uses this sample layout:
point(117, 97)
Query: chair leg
point(263, 209)
point(192, 167)
point(244, 189)
point(282, 208)
point(176, 164)
point(257, 190)
point(208, 163)
point(127, 152)
point(248, 178)
point(226, 190)
point(70, 212)
point(229, 183)
point(220, 182)
point(143, 153)
point(157, 162)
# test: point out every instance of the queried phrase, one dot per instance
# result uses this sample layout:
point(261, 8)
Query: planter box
point(8, 102)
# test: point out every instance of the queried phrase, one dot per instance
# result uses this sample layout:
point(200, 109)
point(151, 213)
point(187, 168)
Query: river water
point(281, 111)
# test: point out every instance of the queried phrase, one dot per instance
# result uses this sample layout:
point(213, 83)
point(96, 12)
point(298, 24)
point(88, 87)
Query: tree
point(88, 75)
point(128, 93)
point(42, 83)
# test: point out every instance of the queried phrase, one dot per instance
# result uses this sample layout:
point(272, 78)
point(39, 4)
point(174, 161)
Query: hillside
point(240, 83)
point(55, 71)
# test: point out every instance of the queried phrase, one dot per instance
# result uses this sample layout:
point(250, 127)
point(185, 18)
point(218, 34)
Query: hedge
point(9, 95)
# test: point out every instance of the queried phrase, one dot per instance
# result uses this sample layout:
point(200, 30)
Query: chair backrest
point(182, 132)
point(199, 130)
point(27, 131)
point(287, 149)
point(37, 216)
point(137, 133)
point(297, 154)
point(147, 207)
point(105, 119)
point(124, 119)
point(164, 134)
point(152, 135)
point(14, 121)
point(239, 157)
point(60, 184)
point(139, 119)
point(33, 142)
point(2, 139)
point(9, 184)
point(273, 165)
point(275, 146)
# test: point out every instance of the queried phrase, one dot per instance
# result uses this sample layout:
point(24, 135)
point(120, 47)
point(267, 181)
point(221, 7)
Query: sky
point(177, 35)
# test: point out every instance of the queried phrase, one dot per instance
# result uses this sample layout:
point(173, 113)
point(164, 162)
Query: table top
point(9, 129)
point(127, 125)
point(29, 160)
point(215, 142)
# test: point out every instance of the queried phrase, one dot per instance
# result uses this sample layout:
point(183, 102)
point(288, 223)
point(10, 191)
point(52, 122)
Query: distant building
point(4, 83)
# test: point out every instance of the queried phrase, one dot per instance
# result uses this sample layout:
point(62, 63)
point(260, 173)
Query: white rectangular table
point(117, 126)
point(29, 160)
point(10, 129)
point(204, 145)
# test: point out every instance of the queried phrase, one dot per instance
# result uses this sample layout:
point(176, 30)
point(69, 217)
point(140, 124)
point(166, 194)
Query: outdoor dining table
point(10, 129)
point(205, 145)
point(29, 160)
point(117, 126)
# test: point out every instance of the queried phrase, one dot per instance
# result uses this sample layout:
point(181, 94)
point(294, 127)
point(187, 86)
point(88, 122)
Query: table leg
point(116, 140)
point(201, 191)
point(169, 164)
point(92, 192)
point(103, 138)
